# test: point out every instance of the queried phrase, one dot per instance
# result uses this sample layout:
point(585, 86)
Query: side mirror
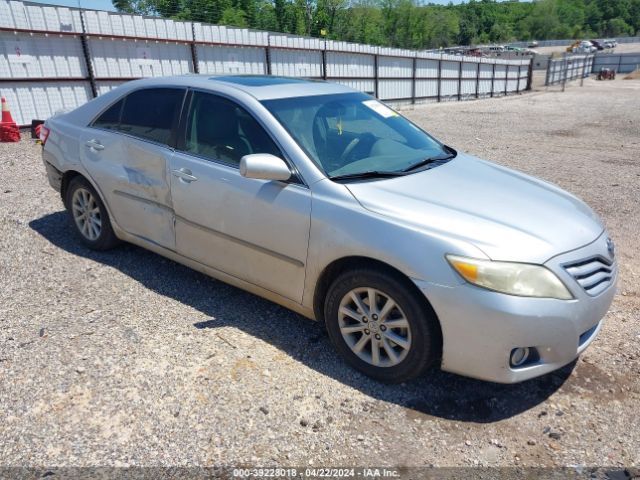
point(264, 166)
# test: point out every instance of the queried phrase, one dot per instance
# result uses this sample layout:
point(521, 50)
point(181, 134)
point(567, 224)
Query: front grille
point(593, 274)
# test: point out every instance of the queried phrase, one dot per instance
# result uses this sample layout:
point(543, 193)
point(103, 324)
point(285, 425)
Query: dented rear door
point(130, 164)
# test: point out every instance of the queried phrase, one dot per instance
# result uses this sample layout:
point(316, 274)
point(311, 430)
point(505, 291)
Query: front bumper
point(480, 327)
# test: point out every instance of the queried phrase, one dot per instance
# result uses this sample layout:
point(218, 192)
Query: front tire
point(381, 326)
point(89, 215)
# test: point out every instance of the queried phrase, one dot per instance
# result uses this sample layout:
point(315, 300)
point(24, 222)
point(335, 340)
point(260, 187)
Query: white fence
point(620, 62)
point(58, 58)
point(568, 67)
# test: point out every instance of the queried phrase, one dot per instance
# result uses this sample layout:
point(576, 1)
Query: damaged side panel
point(134, 178)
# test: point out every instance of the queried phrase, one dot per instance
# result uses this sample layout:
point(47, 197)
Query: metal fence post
point(267, 54)
point(440, 79)
point(324, 61)
point(584, 69)
point(375, 75)
point(478, 80)
point(549, 64)
point(413, 82)
point(518, 82)
point(194, 52)
point(565, 70)
point(493, 78)
point(506, 80)
point(87, 57)
point(460, 80)
point(530, 75)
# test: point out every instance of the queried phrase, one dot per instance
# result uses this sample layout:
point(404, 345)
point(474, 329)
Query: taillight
point(44, 134)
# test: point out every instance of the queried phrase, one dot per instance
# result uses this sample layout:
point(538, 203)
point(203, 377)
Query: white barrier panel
point(426, 88)
point(394, 89)
point(229, 35)
point(450, 69)
point(105, 86)
point(367, 86)
point(390, 67)
point(41, 100)
point(40, 56)
point(350, 47)
point(448, 87)
point(296, 63)
point(350, 65)
point(104, 23)
point(39, 17)
point(499, 82)
point(115, 58)
point(222, 60)
point(293, 41)
point(426, 68)
point(468, 87)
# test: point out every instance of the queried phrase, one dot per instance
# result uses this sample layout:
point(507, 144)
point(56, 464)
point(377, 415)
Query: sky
point(107, 5)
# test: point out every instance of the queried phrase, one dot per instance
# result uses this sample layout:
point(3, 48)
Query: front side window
point(352, 133)
point(150, 113)
point(219, 129)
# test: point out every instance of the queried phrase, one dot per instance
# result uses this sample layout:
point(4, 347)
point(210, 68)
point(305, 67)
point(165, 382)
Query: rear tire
point(89, 216)
point(396, 340)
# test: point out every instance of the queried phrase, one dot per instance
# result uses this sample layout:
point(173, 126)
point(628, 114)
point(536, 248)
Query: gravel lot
point(124, 358)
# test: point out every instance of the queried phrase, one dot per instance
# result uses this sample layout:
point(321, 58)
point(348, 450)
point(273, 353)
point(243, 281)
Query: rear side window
point(110, 118)
point(150, 113)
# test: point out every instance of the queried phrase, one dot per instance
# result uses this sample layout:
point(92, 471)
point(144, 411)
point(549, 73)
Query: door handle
point(94, 144)
point(184, 174)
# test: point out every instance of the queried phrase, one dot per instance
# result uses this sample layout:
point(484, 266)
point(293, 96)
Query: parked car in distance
point(330, 203)
point(533, 44)
point(587, 47)
point(610, 43)
point(597, 44)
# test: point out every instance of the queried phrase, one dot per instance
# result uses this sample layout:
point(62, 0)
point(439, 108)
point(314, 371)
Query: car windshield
point(351, 133)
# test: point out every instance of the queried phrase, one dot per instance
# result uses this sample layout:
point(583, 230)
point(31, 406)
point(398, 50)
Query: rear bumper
point(480, 328)
point(53, 174)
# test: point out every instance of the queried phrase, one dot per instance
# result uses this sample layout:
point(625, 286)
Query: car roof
point(262, 87)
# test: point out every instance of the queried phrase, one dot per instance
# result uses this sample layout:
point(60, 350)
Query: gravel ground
point(124, 358)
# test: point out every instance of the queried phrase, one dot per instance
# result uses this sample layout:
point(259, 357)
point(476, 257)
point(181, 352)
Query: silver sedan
point(330, 203)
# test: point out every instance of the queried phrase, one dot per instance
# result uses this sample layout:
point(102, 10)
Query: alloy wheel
point(86, 214)
point(374, 327)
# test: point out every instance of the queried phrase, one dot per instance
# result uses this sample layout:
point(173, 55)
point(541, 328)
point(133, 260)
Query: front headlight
point(521, 279)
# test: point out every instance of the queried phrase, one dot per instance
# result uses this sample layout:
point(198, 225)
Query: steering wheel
point(347, 151)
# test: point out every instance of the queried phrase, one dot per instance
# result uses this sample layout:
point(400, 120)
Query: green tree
point(410, 23)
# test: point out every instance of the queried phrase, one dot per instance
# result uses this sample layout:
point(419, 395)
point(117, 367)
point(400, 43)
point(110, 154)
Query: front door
point(255, 230)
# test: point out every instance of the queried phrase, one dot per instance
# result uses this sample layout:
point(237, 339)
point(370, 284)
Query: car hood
point(508, 215)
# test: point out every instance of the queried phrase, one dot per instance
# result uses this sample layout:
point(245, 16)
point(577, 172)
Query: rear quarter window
point(110, 118)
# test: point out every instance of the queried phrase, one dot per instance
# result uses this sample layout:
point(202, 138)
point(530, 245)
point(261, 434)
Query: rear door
point(126, 151)
point(255, 230)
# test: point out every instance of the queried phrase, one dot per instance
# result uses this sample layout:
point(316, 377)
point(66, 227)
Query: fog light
point(519, 356)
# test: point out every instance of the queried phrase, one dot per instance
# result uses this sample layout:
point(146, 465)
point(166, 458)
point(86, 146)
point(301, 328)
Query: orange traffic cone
point(9, 131)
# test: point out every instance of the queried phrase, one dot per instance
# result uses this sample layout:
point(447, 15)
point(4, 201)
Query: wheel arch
point(335, 268)
point(68, 176)
point(66, 180)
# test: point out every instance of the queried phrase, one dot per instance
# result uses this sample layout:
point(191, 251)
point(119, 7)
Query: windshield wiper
point(428, 160)
point(367, 174)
